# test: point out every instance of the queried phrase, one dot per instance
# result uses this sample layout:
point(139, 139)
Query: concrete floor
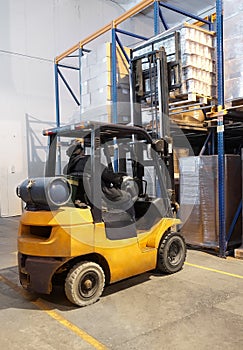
point(201, 307)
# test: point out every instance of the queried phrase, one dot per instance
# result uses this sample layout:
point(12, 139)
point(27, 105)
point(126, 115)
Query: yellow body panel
point(74, 234)
point(158, 231)
point(124, 257)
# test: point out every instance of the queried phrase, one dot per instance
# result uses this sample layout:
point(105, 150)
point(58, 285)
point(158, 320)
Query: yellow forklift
point(72, 232)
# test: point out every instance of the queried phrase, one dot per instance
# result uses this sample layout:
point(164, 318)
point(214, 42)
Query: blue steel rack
point(220, 128)
point(78, 50)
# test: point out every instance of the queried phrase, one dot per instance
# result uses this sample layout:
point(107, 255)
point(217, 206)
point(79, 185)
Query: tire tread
point(71, 279)
point(161, 264)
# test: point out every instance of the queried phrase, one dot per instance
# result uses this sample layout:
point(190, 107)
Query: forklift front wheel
point(171, 253)
point(84, 283)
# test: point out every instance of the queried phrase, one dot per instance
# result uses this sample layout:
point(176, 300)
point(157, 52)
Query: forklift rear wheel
point(171, 253)
point(84, 283)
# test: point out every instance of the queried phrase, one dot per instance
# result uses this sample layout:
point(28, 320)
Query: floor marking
point(214, 270)
point(56, 316)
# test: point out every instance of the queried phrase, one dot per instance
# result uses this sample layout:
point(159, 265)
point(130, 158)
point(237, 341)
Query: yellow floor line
point(44, 307)
point(214, 270)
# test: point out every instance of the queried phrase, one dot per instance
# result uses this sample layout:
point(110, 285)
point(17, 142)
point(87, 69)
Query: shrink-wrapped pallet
point(239, 252)
point(233, 50)
point(199, 200)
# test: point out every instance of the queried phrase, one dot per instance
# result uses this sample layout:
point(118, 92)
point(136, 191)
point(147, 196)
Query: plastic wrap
point(199, 199)
point(233, 50)
point(239, 252)
point(190, 199)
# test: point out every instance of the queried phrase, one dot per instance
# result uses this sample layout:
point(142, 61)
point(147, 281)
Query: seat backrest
point(81, 187)
point(148, 213)
point(119, 224)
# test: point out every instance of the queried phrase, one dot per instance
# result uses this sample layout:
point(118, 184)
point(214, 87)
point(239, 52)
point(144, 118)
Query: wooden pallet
point(235, 104)
point(184, 99)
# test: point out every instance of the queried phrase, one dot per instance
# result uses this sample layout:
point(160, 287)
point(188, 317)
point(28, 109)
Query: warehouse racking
point(223, 125)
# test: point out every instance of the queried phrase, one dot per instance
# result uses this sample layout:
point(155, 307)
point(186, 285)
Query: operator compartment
point(98, 173)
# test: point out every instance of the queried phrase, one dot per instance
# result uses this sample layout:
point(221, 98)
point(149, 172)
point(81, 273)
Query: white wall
point(32, 34)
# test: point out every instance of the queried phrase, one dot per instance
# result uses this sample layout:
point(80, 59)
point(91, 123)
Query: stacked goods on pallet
point(233, 50)
point(198, 61)
point(96, 78)
point(239, 251)
point(192, 48)
point(199, 200)
point(189, 211)
point(177, 154)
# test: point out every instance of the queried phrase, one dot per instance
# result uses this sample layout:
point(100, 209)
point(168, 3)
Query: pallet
point(185, 99)
point(190, 127)
point(236, 105)
point(214, 250)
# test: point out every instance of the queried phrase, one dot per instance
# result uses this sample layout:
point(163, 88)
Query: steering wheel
point(129, 185)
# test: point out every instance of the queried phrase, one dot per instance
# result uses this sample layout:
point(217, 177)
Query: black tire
point(171, 253)
point(84, 283)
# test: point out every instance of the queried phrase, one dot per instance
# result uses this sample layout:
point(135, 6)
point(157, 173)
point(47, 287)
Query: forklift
point(71, 233)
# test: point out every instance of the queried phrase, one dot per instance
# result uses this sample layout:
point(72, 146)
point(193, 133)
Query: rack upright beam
point(220, 129)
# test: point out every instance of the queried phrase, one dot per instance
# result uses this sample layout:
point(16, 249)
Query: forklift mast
point(152, 79)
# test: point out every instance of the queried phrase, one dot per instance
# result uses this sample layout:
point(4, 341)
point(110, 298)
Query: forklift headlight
point(47, 192)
